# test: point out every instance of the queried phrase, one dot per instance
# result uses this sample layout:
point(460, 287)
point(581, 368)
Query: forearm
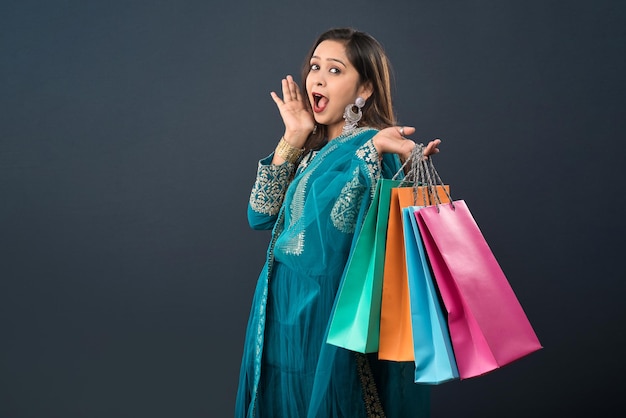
point(268, 192)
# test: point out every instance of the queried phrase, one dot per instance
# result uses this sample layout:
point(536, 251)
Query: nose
point(318, 79)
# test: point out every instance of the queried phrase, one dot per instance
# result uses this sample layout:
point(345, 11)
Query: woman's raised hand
point(298, 119)
point(392, 140)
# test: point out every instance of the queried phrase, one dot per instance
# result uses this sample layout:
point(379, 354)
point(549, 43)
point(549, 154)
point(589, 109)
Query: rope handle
point(422, 173)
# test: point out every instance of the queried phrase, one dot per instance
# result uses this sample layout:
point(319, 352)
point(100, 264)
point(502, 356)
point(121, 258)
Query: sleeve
point(268, 192)
point(355, 196)
point(391, 166)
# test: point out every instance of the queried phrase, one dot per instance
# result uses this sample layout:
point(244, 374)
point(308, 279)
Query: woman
point(314, 191)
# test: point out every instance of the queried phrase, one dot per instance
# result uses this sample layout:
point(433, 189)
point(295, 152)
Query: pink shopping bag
point(488, 327)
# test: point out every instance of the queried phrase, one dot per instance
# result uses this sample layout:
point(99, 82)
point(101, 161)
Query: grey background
point(129, 137)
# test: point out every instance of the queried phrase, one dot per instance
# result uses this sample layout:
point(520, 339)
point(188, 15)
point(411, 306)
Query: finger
point(293, 87)
point(286, 91)
point(406, 130)
point(298, 93)
point(434, 143)
point(431, 148)
point(276, 99)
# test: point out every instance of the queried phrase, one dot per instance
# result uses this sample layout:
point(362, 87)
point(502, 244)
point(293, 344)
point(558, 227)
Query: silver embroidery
point(293, 243)
point(345, 210)
point(306, 160)
point(369, 155)
point(297, 203)
point(269, 188)
point(262, 309)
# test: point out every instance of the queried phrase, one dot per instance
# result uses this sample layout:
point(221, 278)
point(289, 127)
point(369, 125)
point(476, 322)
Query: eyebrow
point(331, 59)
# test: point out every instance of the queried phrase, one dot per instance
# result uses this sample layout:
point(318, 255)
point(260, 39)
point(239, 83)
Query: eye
point(335, 70)
point(314, 67)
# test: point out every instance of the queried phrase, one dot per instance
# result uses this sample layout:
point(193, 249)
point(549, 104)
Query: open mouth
point(319, 102)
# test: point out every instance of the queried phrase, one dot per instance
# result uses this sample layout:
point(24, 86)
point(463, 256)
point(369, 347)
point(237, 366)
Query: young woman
point(313, 192)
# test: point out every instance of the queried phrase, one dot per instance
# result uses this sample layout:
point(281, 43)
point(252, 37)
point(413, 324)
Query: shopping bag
point(396, 340)
point(356, 317)
point(488, 327)
point(434, 357)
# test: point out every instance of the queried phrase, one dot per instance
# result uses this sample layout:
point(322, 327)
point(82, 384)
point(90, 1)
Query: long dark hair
point(367, 55)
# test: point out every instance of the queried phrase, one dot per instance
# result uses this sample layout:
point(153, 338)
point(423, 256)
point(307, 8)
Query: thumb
point(406, 130)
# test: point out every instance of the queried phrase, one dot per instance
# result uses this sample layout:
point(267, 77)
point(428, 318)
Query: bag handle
point(414, 175)
point(434, 180)
point(422, 173)
point(417, 150)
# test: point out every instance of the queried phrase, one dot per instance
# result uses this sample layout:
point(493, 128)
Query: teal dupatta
point(287, 367)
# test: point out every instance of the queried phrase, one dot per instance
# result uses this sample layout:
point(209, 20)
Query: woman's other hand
point(392, 140)
point(298, 119)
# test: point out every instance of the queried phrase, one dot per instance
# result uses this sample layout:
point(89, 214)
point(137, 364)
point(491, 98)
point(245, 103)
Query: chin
point(321, 121)
point(327, 121)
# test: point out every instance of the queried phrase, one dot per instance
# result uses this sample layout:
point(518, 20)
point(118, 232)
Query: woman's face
point(332, 84)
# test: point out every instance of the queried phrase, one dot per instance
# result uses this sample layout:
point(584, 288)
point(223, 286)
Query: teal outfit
point(288, 369)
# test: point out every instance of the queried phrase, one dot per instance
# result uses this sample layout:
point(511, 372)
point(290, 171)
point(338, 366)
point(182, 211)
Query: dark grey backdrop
point(129, 137)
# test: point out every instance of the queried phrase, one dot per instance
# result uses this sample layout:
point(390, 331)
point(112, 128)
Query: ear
point(366, 90)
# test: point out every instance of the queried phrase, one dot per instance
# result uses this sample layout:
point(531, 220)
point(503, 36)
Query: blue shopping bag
point(434, 357)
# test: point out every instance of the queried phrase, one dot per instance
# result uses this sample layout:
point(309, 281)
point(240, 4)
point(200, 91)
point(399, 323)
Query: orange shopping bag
point(396, 337)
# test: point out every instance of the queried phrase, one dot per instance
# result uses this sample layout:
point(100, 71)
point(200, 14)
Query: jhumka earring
point(352, 118)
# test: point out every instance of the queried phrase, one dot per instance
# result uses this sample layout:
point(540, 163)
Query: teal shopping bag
point(434, 358)
point(355, 322)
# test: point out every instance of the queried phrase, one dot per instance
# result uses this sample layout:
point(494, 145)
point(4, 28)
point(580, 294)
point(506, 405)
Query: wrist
point(296, 139)
point(376, 144)
point(288, 152)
